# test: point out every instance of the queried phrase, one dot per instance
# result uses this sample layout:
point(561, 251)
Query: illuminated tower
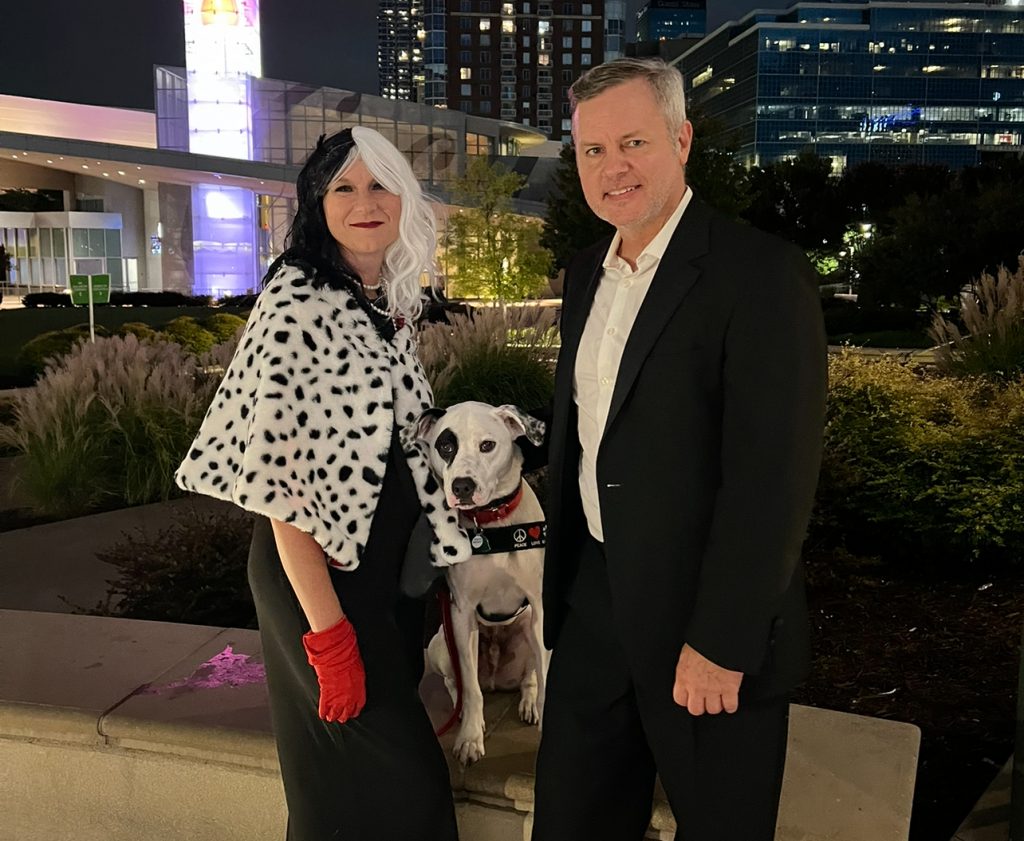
point(222, 55)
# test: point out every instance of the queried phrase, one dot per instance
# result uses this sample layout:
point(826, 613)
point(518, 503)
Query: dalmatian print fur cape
point(300, 427)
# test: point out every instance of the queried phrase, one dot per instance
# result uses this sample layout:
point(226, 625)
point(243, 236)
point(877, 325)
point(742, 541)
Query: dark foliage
point(194, 572)
point(46, 299)
point(569, 223)
point(166, 298)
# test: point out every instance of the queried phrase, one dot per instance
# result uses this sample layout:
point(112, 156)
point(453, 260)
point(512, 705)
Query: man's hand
point(702, 686)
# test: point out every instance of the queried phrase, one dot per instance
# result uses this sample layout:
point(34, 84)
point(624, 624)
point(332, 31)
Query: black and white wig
point(406, 260)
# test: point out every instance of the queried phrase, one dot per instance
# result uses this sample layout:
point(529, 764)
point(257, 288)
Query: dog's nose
point(463, 487)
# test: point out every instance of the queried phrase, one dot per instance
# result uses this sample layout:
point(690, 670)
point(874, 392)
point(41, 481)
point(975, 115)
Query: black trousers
point(381, 775)
point(605, 737)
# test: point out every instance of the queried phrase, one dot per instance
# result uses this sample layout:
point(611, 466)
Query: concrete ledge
point(117, 730)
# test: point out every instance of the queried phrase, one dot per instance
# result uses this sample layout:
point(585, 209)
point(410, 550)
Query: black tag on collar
point(515, 538)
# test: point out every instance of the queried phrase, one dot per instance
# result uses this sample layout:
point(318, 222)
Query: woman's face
point(361, 215)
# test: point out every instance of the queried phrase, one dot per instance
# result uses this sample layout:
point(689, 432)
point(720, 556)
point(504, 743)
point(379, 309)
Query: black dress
point(381, 775)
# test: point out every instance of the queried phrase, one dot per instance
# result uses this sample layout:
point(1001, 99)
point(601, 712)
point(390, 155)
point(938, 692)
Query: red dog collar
point(500, 509)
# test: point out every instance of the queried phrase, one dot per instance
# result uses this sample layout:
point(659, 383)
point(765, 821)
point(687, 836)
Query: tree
point(495, 253)
point(800, 201)
point(712, 170)
point(569, 224)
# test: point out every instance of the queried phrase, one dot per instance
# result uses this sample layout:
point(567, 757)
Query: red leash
point(445, 600)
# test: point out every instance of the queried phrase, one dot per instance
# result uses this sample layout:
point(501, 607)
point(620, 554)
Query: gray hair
point(666, 83)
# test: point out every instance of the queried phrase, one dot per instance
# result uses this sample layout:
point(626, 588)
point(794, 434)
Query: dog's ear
point(427, 421)
point(519, 423)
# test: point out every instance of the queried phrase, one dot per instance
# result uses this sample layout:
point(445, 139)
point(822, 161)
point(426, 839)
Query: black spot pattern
point(296, 404)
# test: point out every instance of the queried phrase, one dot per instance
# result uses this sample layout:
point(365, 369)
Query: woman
point(305, 430)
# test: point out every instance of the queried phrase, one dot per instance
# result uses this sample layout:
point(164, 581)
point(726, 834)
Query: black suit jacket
point(709, 460)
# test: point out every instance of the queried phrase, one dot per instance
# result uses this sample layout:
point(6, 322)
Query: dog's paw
point(469, 747)
point(528, 711)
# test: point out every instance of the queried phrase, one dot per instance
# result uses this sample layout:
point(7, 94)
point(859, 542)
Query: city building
point(667, 20)
point(895, 82)
point(516, 60)
point(400, 50)
point(197, 197)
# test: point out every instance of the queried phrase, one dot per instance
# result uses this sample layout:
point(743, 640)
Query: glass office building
point(665, 20)
point(907, 82)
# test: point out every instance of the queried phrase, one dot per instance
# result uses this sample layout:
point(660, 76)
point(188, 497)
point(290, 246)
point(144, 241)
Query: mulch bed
point(939, 649)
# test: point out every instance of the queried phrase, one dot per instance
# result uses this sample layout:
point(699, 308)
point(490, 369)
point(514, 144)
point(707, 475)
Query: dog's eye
point(444, 447)
point(486, 446)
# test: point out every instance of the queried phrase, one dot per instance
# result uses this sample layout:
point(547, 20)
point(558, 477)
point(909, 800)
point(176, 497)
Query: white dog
point(497, 593)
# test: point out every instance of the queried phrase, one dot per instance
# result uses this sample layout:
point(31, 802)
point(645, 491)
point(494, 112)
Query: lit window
point(485, 24)
point(508, 26)
point(586, 25)
point(508, 9)
point(543, 59)
point(466, 73)
point(585, 59)
point(543, 27)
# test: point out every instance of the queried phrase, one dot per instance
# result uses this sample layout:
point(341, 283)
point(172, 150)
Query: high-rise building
point(866, 80)
point(435, 53)
point(614, 29)
point(666, 20)
point(516, 60)
point(400, 28)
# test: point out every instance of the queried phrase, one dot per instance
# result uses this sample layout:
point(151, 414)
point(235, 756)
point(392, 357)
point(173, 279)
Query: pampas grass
point(993, 316)
point(107, 425)
point(501, 355)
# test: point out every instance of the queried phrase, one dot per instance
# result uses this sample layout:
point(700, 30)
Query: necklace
point(373, 287)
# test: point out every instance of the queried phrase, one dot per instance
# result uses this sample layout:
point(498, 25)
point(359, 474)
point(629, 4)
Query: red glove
point(334, 655)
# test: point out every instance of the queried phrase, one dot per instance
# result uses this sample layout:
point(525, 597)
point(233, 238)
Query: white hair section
point(412, 254)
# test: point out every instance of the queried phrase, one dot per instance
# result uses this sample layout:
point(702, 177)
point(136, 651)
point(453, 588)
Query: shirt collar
point(655, 249)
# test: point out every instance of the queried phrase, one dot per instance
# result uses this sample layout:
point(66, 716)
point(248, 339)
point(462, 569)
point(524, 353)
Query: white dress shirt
point(620, 293)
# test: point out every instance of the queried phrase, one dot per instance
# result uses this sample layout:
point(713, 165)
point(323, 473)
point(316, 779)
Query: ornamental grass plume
point(993, 317)
point(107, 425)
point(500, 355)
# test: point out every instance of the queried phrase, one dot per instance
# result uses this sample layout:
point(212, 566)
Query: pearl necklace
point(379, 304)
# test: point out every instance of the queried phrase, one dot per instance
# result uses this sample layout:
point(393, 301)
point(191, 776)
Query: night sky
point(101, 52)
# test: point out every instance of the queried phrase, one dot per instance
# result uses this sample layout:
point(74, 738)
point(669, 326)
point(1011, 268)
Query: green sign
point(80, 289)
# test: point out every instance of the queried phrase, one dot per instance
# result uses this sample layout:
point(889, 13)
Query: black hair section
point(311, 247)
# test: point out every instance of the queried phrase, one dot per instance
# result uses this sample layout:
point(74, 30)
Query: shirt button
point(605, 381)
point(628, 283)
point(611, 331)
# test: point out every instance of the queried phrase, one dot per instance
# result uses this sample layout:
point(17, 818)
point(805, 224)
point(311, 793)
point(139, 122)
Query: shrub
point(137, 329)
point(194, 571)
point(52, 345)
point(993, 317)
point(107, 425)
point(165, 298)
point(926, 469)
point(243, 301)
point(223, 325)
point(496, 356)
point(186, 331)
point(46, 299)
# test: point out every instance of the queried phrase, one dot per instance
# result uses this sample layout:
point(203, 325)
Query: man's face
point(630, 168)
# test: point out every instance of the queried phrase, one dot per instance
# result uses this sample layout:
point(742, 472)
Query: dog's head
point(473, 451)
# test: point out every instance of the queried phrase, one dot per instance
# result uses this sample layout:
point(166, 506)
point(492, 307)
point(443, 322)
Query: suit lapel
point(673, 280)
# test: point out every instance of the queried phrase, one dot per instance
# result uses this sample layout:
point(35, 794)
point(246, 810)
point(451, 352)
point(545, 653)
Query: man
point(685, 445)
